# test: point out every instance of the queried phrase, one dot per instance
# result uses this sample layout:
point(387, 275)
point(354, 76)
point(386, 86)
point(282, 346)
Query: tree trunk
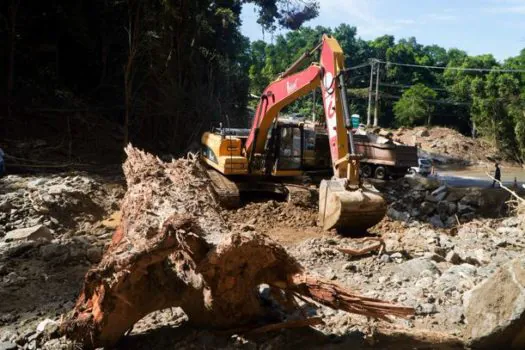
point(129, 71)
point(172, 249)
point(12, 12)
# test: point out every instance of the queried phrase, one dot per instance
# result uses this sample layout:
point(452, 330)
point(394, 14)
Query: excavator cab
point(284, 150)
point(289, 148)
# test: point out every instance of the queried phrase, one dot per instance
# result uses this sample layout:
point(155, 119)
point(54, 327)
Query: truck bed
point(389, 154)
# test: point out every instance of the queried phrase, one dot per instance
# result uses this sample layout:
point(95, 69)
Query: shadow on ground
point(186, 337)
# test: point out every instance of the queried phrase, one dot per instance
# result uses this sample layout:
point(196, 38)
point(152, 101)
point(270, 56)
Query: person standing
point(497, 175)
point(2, 164)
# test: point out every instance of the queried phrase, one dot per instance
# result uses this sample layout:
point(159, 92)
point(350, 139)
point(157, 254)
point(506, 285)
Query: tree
point(497, 110)
point(381, 45)
point(415, 105)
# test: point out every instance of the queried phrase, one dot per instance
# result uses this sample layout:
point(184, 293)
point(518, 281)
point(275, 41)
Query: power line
point(442, 101)
point(454, 68)
point(447, 102)
point(362, 65)
point(409, 86)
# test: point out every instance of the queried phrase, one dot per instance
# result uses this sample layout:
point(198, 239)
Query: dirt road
point(477, 177)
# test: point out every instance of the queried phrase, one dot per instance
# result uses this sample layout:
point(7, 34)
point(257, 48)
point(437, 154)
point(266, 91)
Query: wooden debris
point(337, 297)
point(359, 252)
point(517, 196)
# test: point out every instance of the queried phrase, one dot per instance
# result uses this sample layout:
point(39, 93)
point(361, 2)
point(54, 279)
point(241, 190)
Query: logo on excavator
point(328, 82)
point(291, 87)
point(329, 106)
point(329, 97)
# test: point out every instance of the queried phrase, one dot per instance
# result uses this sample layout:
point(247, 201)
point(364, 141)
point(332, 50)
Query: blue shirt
point(2, 165)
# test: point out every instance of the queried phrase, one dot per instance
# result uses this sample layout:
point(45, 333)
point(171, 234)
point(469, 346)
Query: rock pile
point(423, 267)
point(448, 146)
point(442, 206)
point(50, 233)
point(60, 203)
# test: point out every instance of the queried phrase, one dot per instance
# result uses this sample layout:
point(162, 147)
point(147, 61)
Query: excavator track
point(224, 191)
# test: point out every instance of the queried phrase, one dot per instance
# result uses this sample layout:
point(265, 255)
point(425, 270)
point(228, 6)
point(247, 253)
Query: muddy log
point(172, 249)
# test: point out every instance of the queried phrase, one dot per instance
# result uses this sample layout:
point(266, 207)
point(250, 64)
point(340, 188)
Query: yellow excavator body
point(224, 154)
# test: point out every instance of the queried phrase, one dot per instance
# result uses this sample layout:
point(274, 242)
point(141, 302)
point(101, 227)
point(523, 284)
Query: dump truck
point(382, 158)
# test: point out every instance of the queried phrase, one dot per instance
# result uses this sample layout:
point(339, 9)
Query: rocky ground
point(53, 228)
point(430, 261)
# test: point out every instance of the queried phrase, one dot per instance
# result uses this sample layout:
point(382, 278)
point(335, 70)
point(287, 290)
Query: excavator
point(245, 160)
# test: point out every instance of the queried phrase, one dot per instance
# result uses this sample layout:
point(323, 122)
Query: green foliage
point(415, 106)
point(497, 111)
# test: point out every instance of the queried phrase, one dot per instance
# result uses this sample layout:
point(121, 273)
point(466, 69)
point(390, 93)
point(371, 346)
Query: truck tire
point(366, 170)
point(380, 173)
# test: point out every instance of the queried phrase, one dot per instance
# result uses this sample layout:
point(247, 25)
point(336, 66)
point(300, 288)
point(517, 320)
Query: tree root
point(170, 250)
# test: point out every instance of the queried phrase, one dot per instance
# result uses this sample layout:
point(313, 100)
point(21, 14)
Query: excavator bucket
point(349, 211)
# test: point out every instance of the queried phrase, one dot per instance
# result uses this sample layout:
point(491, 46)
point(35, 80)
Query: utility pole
point(369, 111)
point(377, 94)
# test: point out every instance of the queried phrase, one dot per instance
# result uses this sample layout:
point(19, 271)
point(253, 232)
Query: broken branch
point(517, 196)
point(359, 252)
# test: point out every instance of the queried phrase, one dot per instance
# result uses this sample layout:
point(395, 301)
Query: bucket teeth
point(351, 211)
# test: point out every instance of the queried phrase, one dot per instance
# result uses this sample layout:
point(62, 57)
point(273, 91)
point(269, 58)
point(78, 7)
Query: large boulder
point(30, 233)
point(427, 208)
point(495, 309)
point(414, 267)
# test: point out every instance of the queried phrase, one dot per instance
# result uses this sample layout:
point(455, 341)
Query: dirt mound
point(448, 146)
point(39, 279)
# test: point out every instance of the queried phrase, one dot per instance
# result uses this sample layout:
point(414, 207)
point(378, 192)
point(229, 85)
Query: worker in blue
point(2, 164)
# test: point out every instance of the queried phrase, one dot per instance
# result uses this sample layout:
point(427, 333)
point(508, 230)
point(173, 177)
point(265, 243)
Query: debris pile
point(252, 270)
point(60, 203)
point(51, 231)
point(444, 207)
point(448, 146)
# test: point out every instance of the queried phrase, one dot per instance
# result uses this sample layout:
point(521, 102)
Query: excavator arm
point(343, 202)
point(275, 97)
point(289, 87)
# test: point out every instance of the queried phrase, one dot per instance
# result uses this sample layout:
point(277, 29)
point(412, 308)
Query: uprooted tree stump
point(172, 249)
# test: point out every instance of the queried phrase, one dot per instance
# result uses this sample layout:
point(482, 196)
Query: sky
point(475, 26)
